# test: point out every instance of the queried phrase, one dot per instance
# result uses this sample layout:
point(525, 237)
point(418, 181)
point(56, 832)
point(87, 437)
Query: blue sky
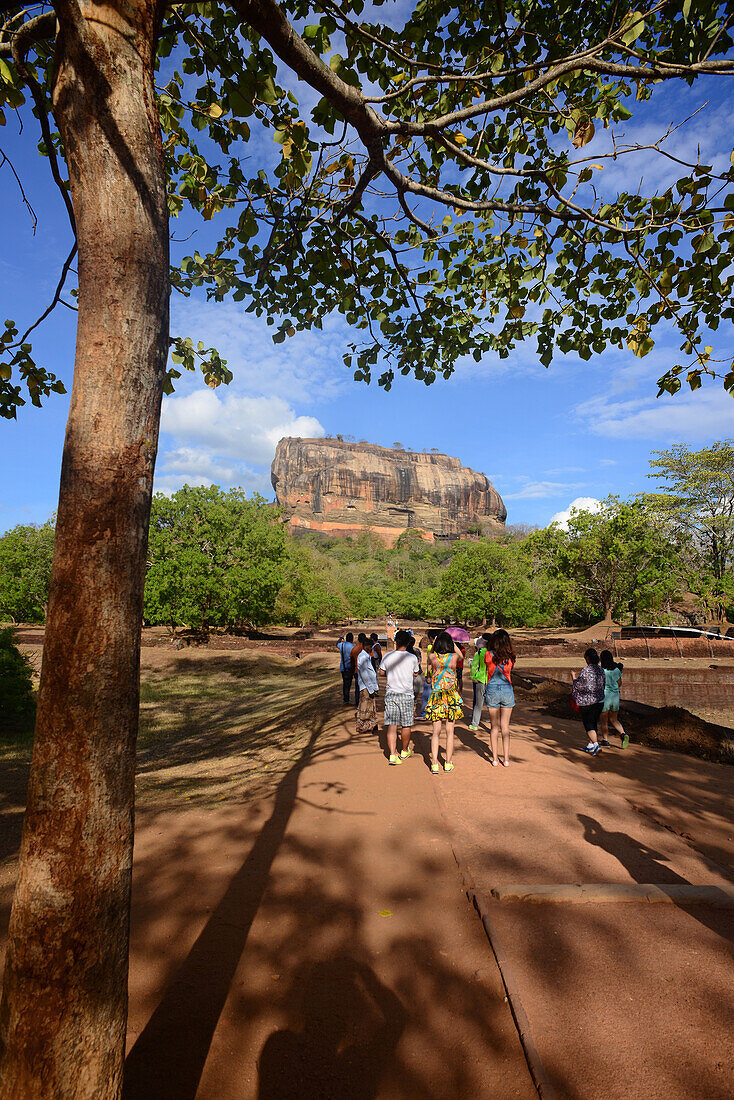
point(544, 437)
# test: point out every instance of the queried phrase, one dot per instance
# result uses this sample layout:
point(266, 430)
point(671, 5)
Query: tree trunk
point(64, 1002)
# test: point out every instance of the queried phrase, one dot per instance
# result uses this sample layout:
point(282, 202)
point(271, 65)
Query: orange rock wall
point(339, 488)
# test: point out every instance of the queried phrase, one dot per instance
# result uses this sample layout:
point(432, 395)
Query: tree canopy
point(214, 559)
point(446, 193)
point(609, 563)
point(25, 572)
point(694, 508)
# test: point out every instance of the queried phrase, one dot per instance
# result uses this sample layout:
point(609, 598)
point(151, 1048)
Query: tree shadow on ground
point(306, 1008)
point(345, 1025)
point(194, 1000)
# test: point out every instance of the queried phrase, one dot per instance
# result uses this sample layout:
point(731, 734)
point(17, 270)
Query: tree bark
point(64, 1002)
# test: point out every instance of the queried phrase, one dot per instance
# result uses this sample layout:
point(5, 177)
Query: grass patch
point(221, 725)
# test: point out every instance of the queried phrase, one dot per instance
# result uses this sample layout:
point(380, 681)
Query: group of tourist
point(436, 698)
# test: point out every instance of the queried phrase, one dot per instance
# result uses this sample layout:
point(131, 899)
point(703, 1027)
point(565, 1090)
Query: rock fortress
point(340, 488)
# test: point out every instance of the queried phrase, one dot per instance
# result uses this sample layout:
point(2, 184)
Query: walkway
point(320, 946)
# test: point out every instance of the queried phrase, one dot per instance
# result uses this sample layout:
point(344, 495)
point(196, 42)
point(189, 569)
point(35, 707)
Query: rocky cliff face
point(337, 488)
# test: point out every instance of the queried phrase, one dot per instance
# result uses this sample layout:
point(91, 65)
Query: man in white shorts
point(400, 667)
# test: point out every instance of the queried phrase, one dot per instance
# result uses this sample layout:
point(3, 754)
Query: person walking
point(460, 668)
point(376, 651)
point(419, 680)
point(426, 694)
point(345, 646)
point(499, 694)
point(400, 667)
point(610, 707)
point(444, 705)
point(368, 687)
point(478, 673)
point(358, 647)
point(587, 692)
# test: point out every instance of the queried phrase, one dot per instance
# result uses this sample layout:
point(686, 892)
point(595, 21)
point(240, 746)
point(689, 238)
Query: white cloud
point(538, 490)
point(307, 368)
point(244, 428)
point(197, 463)
point(196, 466)
point(703, 415)
point(580, 504)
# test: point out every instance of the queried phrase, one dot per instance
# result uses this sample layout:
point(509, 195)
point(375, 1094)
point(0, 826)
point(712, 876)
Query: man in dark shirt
point(345, 646)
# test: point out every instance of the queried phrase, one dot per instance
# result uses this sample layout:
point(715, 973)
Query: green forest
point(221, 559)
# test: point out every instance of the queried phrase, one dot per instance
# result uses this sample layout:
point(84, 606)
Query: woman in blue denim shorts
point(498, 694)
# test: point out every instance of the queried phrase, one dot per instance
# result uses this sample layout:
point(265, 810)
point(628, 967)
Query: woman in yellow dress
point(444, 704)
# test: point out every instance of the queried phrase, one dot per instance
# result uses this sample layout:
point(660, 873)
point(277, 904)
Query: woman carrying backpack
point(587, 692)
point(499, 695)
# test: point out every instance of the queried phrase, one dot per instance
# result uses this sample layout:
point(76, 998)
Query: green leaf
point(632, 27)
point(267, 92)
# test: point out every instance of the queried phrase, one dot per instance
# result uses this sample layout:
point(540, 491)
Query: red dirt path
point(319, 943)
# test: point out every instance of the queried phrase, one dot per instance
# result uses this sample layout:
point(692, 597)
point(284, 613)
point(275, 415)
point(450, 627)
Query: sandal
point(505, 763)
point(495, 763)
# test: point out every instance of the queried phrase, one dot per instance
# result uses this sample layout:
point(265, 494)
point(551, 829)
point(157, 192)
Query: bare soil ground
point(299, 927)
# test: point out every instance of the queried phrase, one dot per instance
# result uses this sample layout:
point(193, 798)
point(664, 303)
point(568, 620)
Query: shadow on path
point(159, 1064)
point(646, 865)
point(346, 1026)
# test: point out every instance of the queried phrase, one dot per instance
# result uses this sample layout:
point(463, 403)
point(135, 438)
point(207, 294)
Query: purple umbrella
point(458, 633)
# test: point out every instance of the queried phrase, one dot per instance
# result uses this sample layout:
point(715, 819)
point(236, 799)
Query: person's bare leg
point(505, 716)
point(604, 725)
point(614, 715)
point(494, 731)
point(392, 740)
point(434, 742)
point(449, 741)
point(405, 733)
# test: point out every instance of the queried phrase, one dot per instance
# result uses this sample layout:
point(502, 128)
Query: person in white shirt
point(368, 687)
point(400, 668)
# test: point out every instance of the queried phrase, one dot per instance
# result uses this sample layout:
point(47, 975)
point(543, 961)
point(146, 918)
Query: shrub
point(17, 701)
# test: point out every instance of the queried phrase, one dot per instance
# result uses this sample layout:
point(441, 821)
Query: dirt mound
point(600, 630)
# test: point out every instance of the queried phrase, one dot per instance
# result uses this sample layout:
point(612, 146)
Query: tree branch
point(268, 19)
point(33, 30)
point(20, 45)
point(6, 160)
point(54, 301)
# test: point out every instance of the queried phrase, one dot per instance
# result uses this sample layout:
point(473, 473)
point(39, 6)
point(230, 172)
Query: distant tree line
point(225, 560)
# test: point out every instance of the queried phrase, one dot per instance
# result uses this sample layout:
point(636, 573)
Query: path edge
point(520, 1018)
point(522, 1023)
